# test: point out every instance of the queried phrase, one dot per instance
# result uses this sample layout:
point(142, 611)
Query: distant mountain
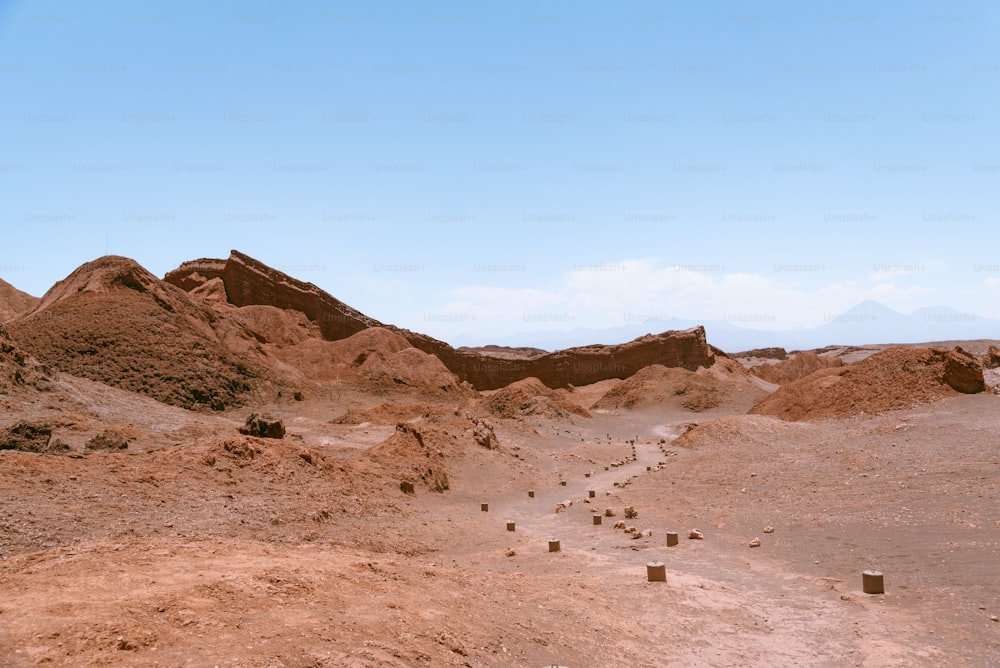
point(867, 323)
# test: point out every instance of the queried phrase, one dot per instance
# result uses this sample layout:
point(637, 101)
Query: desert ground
point(140, 530)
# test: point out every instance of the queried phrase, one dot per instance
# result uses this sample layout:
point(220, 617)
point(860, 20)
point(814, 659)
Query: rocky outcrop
point(29, 437)
point(763, 353)
point(991, 359)
point(109, 439)
point(584, 365)
point(961, 372)
point(263, 426)
point(484, 435)
point(504, 352)
point(195, 273)
point(417, 453)
point(893, 379)
point(249, 282)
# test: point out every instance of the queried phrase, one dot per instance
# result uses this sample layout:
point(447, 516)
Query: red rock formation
point(194, 273)
point(248, 281)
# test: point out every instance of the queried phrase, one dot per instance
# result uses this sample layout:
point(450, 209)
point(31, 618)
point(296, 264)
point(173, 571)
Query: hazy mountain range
point(867, 323)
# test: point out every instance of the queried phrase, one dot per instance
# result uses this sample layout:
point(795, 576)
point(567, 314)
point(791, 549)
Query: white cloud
point(638, 290)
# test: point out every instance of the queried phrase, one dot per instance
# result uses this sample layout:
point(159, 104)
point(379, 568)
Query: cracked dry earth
point(153, 558)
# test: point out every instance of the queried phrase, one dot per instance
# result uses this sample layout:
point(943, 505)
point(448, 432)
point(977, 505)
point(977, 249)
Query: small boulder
point(26, 437)
point(694, 534)
point(264, 426)
point(609, 512)
point(755, 542)
point(484, 435)
point(108, 440)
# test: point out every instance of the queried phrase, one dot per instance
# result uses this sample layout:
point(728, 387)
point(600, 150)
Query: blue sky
point(477, 170)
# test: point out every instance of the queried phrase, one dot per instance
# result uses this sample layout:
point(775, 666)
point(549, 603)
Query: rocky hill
point(726, 383)
point(13, 302)
point(113, 321)
point(894, 379)
point(249, 282)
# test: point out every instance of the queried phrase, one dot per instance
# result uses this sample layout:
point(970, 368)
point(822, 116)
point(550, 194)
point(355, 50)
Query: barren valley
point(403, 513)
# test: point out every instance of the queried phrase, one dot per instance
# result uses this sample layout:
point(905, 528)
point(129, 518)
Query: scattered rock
point(29, 437)
point(108, 440)
point(484, 435)
point(264, 426)
point(619, 525)
point(769, 529)
point(563, 505)
point(609, 512)
point(511, 553)
point(694, 534)
point(755, 542)
point(991, 360)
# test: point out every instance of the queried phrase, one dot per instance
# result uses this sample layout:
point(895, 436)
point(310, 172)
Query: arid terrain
point(405, 515)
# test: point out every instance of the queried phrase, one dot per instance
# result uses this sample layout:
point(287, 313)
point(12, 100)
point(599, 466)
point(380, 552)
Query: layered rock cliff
point(250, 282)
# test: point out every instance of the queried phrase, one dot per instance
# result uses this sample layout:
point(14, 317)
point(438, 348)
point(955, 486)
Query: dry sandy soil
point(154, 557)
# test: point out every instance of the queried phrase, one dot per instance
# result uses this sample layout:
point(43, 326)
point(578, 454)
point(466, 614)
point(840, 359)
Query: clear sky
point(473, 170)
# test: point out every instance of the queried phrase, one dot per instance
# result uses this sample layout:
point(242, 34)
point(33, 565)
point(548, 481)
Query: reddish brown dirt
point(114, 322)
point(215, 548)
point(14, 302)
point(894, 379)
